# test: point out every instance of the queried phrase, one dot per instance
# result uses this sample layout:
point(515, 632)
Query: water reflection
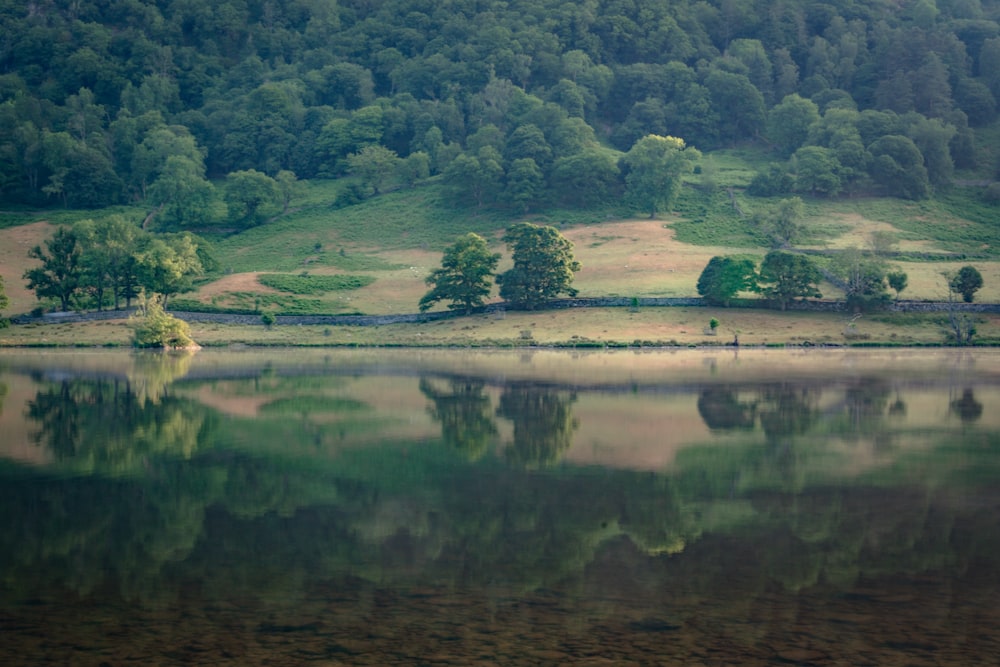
point(543, 424)
point(967, 407)
point(318, 512)
point(465, 413)
point(106, 424)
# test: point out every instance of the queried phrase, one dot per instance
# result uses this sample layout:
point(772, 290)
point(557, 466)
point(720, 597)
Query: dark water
point(504, 508)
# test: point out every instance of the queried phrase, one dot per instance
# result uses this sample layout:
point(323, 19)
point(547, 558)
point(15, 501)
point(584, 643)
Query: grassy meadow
point(373, 258)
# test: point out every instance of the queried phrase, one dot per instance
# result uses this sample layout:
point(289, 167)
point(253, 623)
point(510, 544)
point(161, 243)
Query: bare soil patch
point(15, 242)
point(637, 258)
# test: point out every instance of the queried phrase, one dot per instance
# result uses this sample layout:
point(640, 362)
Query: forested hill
point(152, 101)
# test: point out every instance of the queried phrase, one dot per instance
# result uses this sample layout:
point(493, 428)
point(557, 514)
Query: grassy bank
point(373, 258)
point(584, 328)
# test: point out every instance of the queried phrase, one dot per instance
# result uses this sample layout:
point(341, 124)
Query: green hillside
point(318, 156)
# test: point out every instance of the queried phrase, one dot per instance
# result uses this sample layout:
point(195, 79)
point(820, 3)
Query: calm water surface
point(414, 507)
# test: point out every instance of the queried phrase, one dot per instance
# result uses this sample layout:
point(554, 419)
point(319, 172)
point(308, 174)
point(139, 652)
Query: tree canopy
point(543, 266)
point(967, 281)
point(786, 276)
point(724, 277)
point(465, 277)
point(655, 167)
point(97, 99)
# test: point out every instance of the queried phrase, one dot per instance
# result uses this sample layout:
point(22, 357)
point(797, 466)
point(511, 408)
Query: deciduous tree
point(373, 164)
point(724, 277)
point(543, 266)
point(656, 165)
point(897, 281)
point(61, 270)
point(250, 196)
point(966, 282)
point(465, 276)
point(785, 276)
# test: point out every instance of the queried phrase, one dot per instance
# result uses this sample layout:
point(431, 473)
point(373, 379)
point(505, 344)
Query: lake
point(503, 507)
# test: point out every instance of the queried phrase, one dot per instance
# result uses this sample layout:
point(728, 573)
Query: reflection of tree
point(464, 411)
point(543, 424)
point(967, 408)
point(866, 402)
point(104, 425)
point(3, 394)
point(787, 410)
point(154, 372)
point(722, 410)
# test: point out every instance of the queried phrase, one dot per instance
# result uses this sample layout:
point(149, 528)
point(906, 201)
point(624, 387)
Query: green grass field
point(373, 258)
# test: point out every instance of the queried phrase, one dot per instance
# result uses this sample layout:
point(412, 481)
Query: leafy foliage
point(313, 284)
point(153, 327)
point(465, 276)
point(862, 277)
point(966, 282)
point(897, 281)
point(785, 276)
point(655, 167)
point(543, 266)
point(724, 277)
point(61, 271)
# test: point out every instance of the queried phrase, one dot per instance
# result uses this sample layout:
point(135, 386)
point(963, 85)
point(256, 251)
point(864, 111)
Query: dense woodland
point(209, 111)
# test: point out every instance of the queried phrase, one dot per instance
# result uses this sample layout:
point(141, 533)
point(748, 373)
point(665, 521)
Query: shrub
point(153, 327)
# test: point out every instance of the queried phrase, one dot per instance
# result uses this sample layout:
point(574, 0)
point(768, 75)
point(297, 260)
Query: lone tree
point(966, 282)
point(465, 276)
point(724, 277)
point(897, 280)
point(61, 270)
point(785, 276)
point(656, 166)
point(543, 266)
point(862, 277)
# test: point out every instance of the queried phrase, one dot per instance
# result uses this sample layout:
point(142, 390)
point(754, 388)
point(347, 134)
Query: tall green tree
point(724, 277)
point(251, 196)
point(168, 265)
point(588, 178)
point(543, 266)
point(181, 195)
point(862, 277)
point(373, 164)
point(477, 180)
point(817, 171)
point(897, 281)
point(524, 183)
point(788, 123)
point(61, 269)
point(109, 250)
point(898, 166)
point(785, 276)
point(966, 282)
point(465, 277)
point(656, 166)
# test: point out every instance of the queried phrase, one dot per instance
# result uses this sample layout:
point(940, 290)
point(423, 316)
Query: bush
point(152, 327)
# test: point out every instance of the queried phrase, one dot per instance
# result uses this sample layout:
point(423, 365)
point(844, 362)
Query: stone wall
point(410, 318)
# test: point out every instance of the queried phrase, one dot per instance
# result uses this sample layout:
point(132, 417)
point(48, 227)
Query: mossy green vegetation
point(313, 284)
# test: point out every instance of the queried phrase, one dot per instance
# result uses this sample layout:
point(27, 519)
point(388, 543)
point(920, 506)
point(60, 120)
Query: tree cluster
point(543, 269)
point(156, 102)
point(108, 263)
point(781, 278)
